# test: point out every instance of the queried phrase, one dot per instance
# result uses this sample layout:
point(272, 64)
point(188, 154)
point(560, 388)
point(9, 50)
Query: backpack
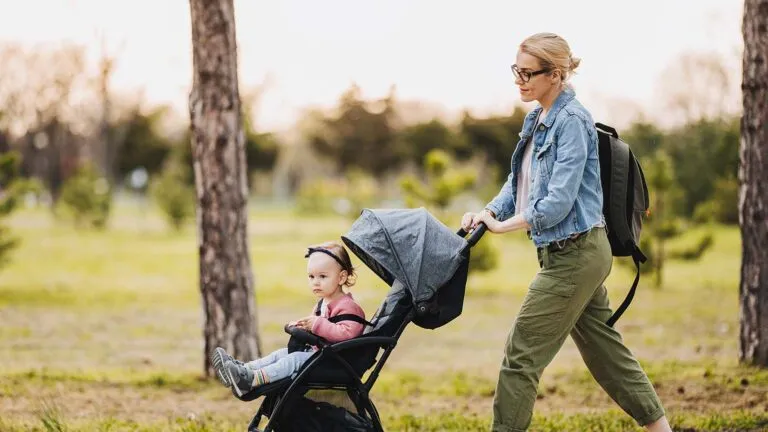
point(625, 202)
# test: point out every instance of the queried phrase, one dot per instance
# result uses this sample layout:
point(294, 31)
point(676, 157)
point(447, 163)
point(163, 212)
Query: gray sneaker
point(218, 358)
point(240, 376)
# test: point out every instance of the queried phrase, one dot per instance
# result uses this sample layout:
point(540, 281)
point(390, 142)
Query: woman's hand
point(490, 222)
point(470, 220)
point(306, 323)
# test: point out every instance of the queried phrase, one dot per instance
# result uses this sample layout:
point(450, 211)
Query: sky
point(452, 53)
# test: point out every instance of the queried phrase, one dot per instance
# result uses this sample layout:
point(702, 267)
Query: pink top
point(342, 330)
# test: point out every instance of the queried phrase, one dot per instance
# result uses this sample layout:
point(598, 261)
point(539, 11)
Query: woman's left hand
point(493, 225)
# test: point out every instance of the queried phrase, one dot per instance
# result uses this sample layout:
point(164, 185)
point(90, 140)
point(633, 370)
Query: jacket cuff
point(495, 211)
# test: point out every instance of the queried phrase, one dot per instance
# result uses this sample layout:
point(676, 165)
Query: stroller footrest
point(262, 390)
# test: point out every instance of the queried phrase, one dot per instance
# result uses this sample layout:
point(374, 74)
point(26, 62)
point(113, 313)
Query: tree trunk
point(218, 149)
point(753, 193)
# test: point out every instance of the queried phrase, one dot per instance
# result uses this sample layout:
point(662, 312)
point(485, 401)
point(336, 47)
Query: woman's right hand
point(470, 220)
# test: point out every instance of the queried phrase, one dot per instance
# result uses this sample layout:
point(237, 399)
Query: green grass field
point(102, 331)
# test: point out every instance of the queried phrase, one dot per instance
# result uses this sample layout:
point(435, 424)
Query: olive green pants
point(567, 296)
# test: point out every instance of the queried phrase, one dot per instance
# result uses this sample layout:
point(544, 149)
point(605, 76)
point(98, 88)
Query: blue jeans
point(280, 364)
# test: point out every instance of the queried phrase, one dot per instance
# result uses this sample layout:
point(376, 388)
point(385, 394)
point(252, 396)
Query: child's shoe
point(239, 376)
point(218, 358)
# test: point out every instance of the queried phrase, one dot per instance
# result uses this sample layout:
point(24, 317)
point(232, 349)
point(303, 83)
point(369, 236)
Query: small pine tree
point(86, 198)
point(663, 222)
point(12, 188)
point(173, 195)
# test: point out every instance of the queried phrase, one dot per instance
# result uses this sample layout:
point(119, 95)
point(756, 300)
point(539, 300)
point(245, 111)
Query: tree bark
point(753, 192)
point(218, 148)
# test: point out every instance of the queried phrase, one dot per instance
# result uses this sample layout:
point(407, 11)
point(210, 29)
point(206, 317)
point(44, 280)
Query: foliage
point(360, 135)
point(704, 152)
point(86, 198)
point(416, 141)
point(443, 182)
point(261, 149)
point(663, 222)
point(172, 193)
point(495, 137)
point(704, 155)
point(644, 139)
point(143, 145)
point(12, 189)
point(723, 205)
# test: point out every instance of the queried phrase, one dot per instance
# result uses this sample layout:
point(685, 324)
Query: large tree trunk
point(226, 280)
point(753, 194)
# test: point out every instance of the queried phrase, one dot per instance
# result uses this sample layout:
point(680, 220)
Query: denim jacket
point(565, 195)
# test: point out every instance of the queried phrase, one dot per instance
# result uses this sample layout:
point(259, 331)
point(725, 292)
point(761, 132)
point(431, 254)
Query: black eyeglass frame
point(525, 76)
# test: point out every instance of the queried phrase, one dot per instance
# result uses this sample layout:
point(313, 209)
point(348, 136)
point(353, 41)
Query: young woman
point(554, 193)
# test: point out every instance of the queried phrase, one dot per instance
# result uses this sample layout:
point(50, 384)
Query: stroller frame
point(357, 390)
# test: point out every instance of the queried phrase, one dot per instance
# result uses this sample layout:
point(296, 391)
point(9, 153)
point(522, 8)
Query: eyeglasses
point(524, 75)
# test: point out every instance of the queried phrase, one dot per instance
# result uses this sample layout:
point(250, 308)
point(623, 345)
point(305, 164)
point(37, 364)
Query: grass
point(102, 331)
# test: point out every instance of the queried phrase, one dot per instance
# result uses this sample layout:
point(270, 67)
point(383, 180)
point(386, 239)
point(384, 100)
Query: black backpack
point(625, 202)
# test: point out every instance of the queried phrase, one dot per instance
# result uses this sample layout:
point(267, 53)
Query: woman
point(554, 193)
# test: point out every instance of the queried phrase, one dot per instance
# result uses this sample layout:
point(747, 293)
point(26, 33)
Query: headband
point(312, 250)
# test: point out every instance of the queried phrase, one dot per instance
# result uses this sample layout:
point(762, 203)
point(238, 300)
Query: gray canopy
point(409, 245)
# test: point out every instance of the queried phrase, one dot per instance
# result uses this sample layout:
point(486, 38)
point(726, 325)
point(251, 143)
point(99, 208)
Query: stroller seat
point(339, 366)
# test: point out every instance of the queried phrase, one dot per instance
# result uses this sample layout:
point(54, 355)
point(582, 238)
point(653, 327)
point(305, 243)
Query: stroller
point(425, 264)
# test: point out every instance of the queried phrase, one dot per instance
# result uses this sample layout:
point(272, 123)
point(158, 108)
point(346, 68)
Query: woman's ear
point(556, 73)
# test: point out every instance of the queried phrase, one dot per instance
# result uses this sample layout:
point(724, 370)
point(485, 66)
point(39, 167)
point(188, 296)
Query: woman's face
point(533, 81)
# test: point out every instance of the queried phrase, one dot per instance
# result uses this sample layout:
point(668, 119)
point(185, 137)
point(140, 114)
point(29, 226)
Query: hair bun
point(575, 62)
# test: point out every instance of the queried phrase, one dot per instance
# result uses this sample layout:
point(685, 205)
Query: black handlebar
point(476, 234)
point(305, 336)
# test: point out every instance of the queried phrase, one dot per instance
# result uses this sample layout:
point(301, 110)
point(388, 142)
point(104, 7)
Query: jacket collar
point(565, 96)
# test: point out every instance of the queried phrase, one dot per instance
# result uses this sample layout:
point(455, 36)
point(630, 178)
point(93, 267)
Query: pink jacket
point(342, 330)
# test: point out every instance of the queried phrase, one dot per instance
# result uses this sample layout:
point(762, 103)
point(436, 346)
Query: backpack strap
point(318, 307)
point(638, 257)
point(349, 317)
point(607, 129)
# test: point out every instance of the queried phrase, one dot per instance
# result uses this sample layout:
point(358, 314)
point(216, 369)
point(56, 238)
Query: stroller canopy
point(409, 245)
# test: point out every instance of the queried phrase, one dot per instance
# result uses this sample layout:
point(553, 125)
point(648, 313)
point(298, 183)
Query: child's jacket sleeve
point(342, 330)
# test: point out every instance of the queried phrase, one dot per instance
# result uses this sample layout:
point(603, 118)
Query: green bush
point(12, 188)
point(86, 198)
point(723, 206)
point(173, 195)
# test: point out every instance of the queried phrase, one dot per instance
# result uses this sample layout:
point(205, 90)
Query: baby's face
point(324, 275)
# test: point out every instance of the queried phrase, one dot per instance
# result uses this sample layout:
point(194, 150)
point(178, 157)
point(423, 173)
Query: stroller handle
point(475, 235)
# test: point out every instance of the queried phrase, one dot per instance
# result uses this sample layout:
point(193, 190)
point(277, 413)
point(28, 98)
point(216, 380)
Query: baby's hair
point(338, 251)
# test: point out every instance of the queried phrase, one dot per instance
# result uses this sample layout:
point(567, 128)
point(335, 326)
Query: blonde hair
point(553, 53)
point(338, 250)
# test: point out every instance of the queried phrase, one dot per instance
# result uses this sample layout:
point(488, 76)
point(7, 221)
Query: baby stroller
point(425, 264)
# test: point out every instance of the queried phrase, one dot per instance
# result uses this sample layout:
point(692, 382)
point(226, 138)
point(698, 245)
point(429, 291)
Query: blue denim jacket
point(565, 194)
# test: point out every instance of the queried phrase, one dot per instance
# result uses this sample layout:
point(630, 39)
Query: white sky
point(453, 53)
